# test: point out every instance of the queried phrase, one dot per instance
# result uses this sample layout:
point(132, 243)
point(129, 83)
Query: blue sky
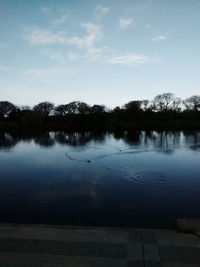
point(100, 52)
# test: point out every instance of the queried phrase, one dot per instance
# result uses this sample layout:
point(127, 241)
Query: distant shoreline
point(105, 122)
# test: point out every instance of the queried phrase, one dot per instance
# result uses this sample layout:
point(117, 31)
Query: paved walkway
point(96, 247)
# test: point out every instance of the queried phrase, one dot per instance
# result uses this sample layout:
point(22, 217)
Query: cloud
point(159, 38)
point(103, 9)
point(37, 36)
point(94, 33)
point(45, 10)
point(86, 43)
point(46, 73)
point(129, 59)
point(60, 20)
point(62, 57)
point(5, 69)
point(124, 23)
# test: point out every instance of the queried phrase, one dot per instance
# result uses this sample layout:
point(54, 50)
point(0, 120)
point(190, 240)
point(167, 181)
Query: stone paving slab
point(22, 245)
point(61, 233)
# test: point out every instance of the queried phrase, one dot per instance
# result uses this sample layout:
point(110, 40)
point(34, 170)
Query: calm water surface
point(134, 178)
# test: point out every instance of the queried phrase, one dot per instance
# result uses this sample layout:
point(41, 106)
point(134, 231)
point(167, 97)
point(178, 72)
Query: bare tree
point(192, 103)
point(163, 102)
point(176, 104)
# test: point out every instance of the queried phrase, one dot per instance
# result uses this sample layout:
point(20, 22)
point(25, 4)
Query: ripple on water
point(113, 172)
point(154, 177)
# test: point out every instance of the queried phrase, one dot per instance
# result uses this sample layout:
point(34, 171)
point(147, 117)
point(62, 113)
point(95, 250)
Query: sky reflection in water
point(129, 178)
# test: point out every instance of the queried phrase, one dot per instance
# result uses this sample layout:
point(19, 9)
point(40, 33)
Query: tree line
point(163, 106)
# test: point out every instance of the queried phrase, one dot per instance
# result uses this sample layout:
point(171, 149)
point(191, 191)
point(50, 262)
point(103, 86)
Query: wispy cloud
point(159, 38)
point(38, 36)
point(5, 69)
point(100, 12)
point(103, 9)
point(47, 73)
point(62, 57)
point(94, 33)
point(124, 23)
point(60, 20)
point(129, 59)
point(45, 10)
point(87, 43)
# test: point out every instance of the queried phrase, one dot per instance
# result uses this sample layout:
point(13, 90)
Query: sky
point(98, 51)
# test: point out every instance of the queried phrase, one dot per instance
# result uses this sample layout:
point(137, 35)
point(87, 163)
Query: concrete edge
point(190, 226)
point(75, 227)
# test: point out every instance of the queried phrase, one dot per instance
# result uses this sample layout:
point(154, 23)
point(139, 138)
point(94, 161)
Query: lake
point(126, 178)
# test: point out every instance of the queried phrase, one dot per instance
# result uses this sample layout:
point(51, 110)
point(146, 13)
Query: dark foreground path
point(24, 245)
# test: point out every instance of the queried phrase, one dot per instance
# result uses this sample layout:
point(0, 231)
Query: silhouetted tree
point(192, 103)
point(44, 107)
point(145, 104)
point(133, 106)
point(163, 102)
point(97, 109)
point(83, 108)
point(61, 110)
point(72, 107)
point(176, 104)
point(14, 114)
point(116, 110)
point(164, 110)
point(6, 108)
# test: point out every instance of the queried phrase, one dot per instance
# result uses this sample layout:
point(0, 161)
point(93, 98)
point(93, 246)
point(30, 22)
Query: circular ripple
point(151, 177)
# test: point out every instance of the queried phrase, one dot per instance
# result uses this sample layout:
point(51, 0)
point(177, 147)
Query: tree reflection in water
point(161, 141)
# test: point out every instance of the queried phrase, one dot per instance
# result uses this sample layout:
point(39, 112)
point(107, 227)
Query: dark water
point(135, 178)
